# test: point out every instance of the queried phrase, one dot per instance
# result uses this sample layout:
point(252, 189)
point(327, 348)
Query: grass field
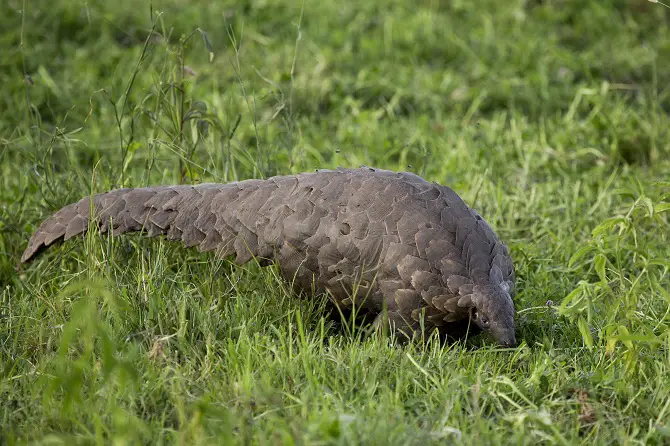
point(551, 118)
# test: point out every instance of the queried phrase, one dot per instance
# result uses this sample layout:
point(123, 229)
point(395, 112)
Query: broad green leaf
point(599, 262)
point(581, 252)
point(586, 333)
point(608, 224)
point(624, 334)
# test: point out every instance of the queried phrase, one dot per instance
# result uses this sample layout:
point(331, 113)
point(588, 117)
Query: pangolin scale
point(390, 243)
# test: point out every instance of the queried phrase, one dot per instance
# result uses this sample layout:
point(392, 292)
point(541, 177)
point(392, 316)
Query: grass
point(549, 117)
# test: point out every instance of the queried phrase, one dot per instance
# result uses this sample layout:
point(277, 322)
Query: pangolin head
point(493, 311)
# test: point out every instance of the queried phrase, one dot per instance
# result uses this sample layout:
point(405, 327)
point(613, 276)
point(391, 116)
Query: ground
point(548, 117)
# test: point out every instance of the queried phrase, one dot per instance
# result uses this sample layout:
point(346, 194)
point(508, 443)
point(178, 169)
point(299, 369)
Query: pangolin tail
point(180, 212)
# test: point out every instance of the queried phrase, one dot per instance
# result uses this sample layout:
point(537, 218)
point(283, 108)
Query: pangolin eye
point(481, 320)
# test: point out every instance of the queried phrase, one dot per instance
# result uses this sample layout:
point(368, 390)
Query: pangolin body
point(390, 243)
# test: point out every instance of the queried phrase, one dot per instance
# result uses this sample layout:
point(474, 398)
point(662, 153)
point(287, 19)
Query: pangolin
point(392, 244)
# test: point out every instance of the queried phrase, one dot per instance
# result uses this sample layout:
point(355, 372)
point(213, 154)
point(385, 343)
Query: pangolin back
point(373, 238)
